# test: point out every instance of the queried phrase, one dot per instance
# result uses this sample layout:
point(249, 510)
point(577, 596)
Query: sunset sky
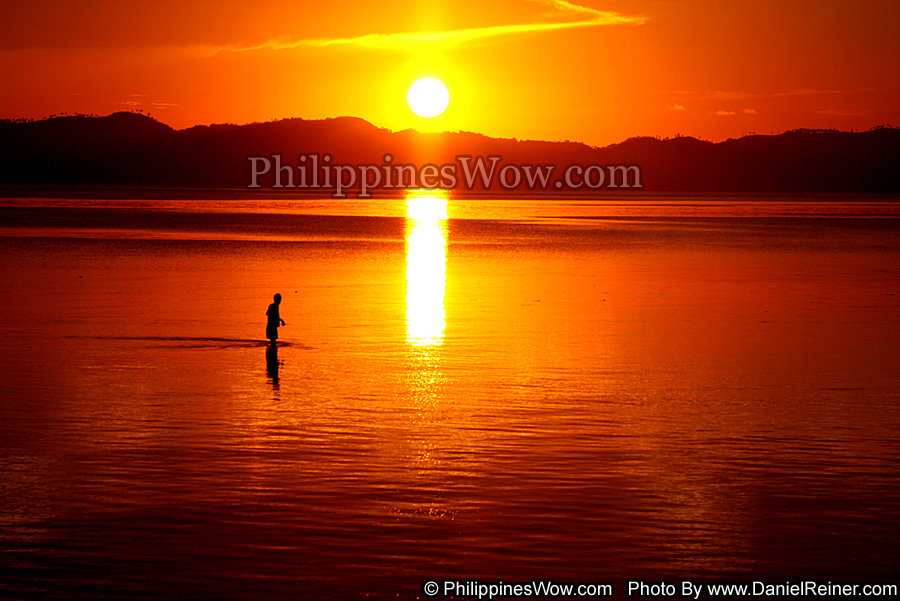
point(597, 71)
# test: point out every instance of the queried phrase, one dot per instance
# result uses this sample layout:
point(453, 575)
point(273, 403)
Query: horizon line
point(141, 113)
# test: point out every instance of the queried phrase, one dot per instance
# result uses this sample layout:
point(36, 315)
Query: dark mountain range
point(133, 149)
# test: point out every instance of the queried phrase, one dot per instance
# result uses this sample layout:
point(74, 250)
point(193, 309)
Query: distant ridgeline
point(134, 150)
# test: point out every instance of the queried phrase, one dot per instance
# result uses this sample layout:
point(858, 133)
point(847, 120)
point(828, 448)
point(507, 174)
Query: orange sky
point(597, 71)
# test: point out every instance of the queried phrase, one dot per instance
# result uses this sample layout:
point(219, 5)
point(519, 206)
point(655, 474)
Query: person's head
point(277, 299)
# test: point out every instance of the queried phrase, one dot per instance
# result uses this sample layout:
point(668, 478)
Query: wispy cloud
point(580, 16)
point(721, 113)
point(844, 112)
point(723, 95)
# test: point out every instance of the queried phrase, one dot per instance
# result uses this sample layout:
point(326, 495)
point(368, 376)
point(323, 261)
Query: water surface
point(636, 387)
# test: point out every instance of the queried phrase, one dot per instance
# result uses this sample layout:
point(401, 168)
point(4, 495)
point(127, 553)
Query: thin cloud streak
point(721, 95)
point(587, 17)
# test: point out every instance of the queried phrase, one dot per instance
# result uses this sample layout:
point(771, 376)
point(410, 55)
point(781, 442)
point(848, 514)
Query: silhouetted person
point(274, 320)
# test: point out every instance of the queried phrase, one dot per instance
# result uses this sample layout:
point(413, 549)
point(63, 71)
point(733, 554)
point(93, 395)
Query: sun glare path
point(428, 97)
point(426, 267)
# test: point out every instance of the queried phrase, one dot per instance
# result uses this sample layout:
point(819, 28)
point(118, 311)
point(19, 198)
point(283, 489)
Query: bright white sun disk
point(428, 97)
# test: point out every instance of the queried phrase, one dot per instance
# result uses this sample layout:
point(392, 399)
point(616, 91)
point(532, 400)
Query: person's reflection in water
point(272, 364)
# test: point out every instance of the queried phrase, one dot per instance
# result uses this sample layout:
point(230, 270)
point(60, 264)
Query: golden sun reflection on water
point(426, 266)
point(426, 284)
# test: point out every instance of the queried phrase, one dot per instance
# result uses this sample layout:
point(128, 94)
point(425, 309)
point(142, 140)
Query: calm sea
point(481, 388)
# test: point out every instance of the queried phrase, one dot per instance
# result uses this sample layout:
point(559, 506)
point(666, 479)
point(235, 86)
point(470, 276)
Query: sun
point(428, 97)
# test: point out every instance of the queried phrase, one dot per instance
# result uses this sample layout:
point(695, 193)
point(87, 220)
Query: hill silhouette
point(133, 149)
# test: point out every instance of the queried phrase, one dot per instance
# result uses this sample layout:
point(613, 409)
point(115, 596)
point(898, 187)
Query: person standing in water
point(274, 320)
